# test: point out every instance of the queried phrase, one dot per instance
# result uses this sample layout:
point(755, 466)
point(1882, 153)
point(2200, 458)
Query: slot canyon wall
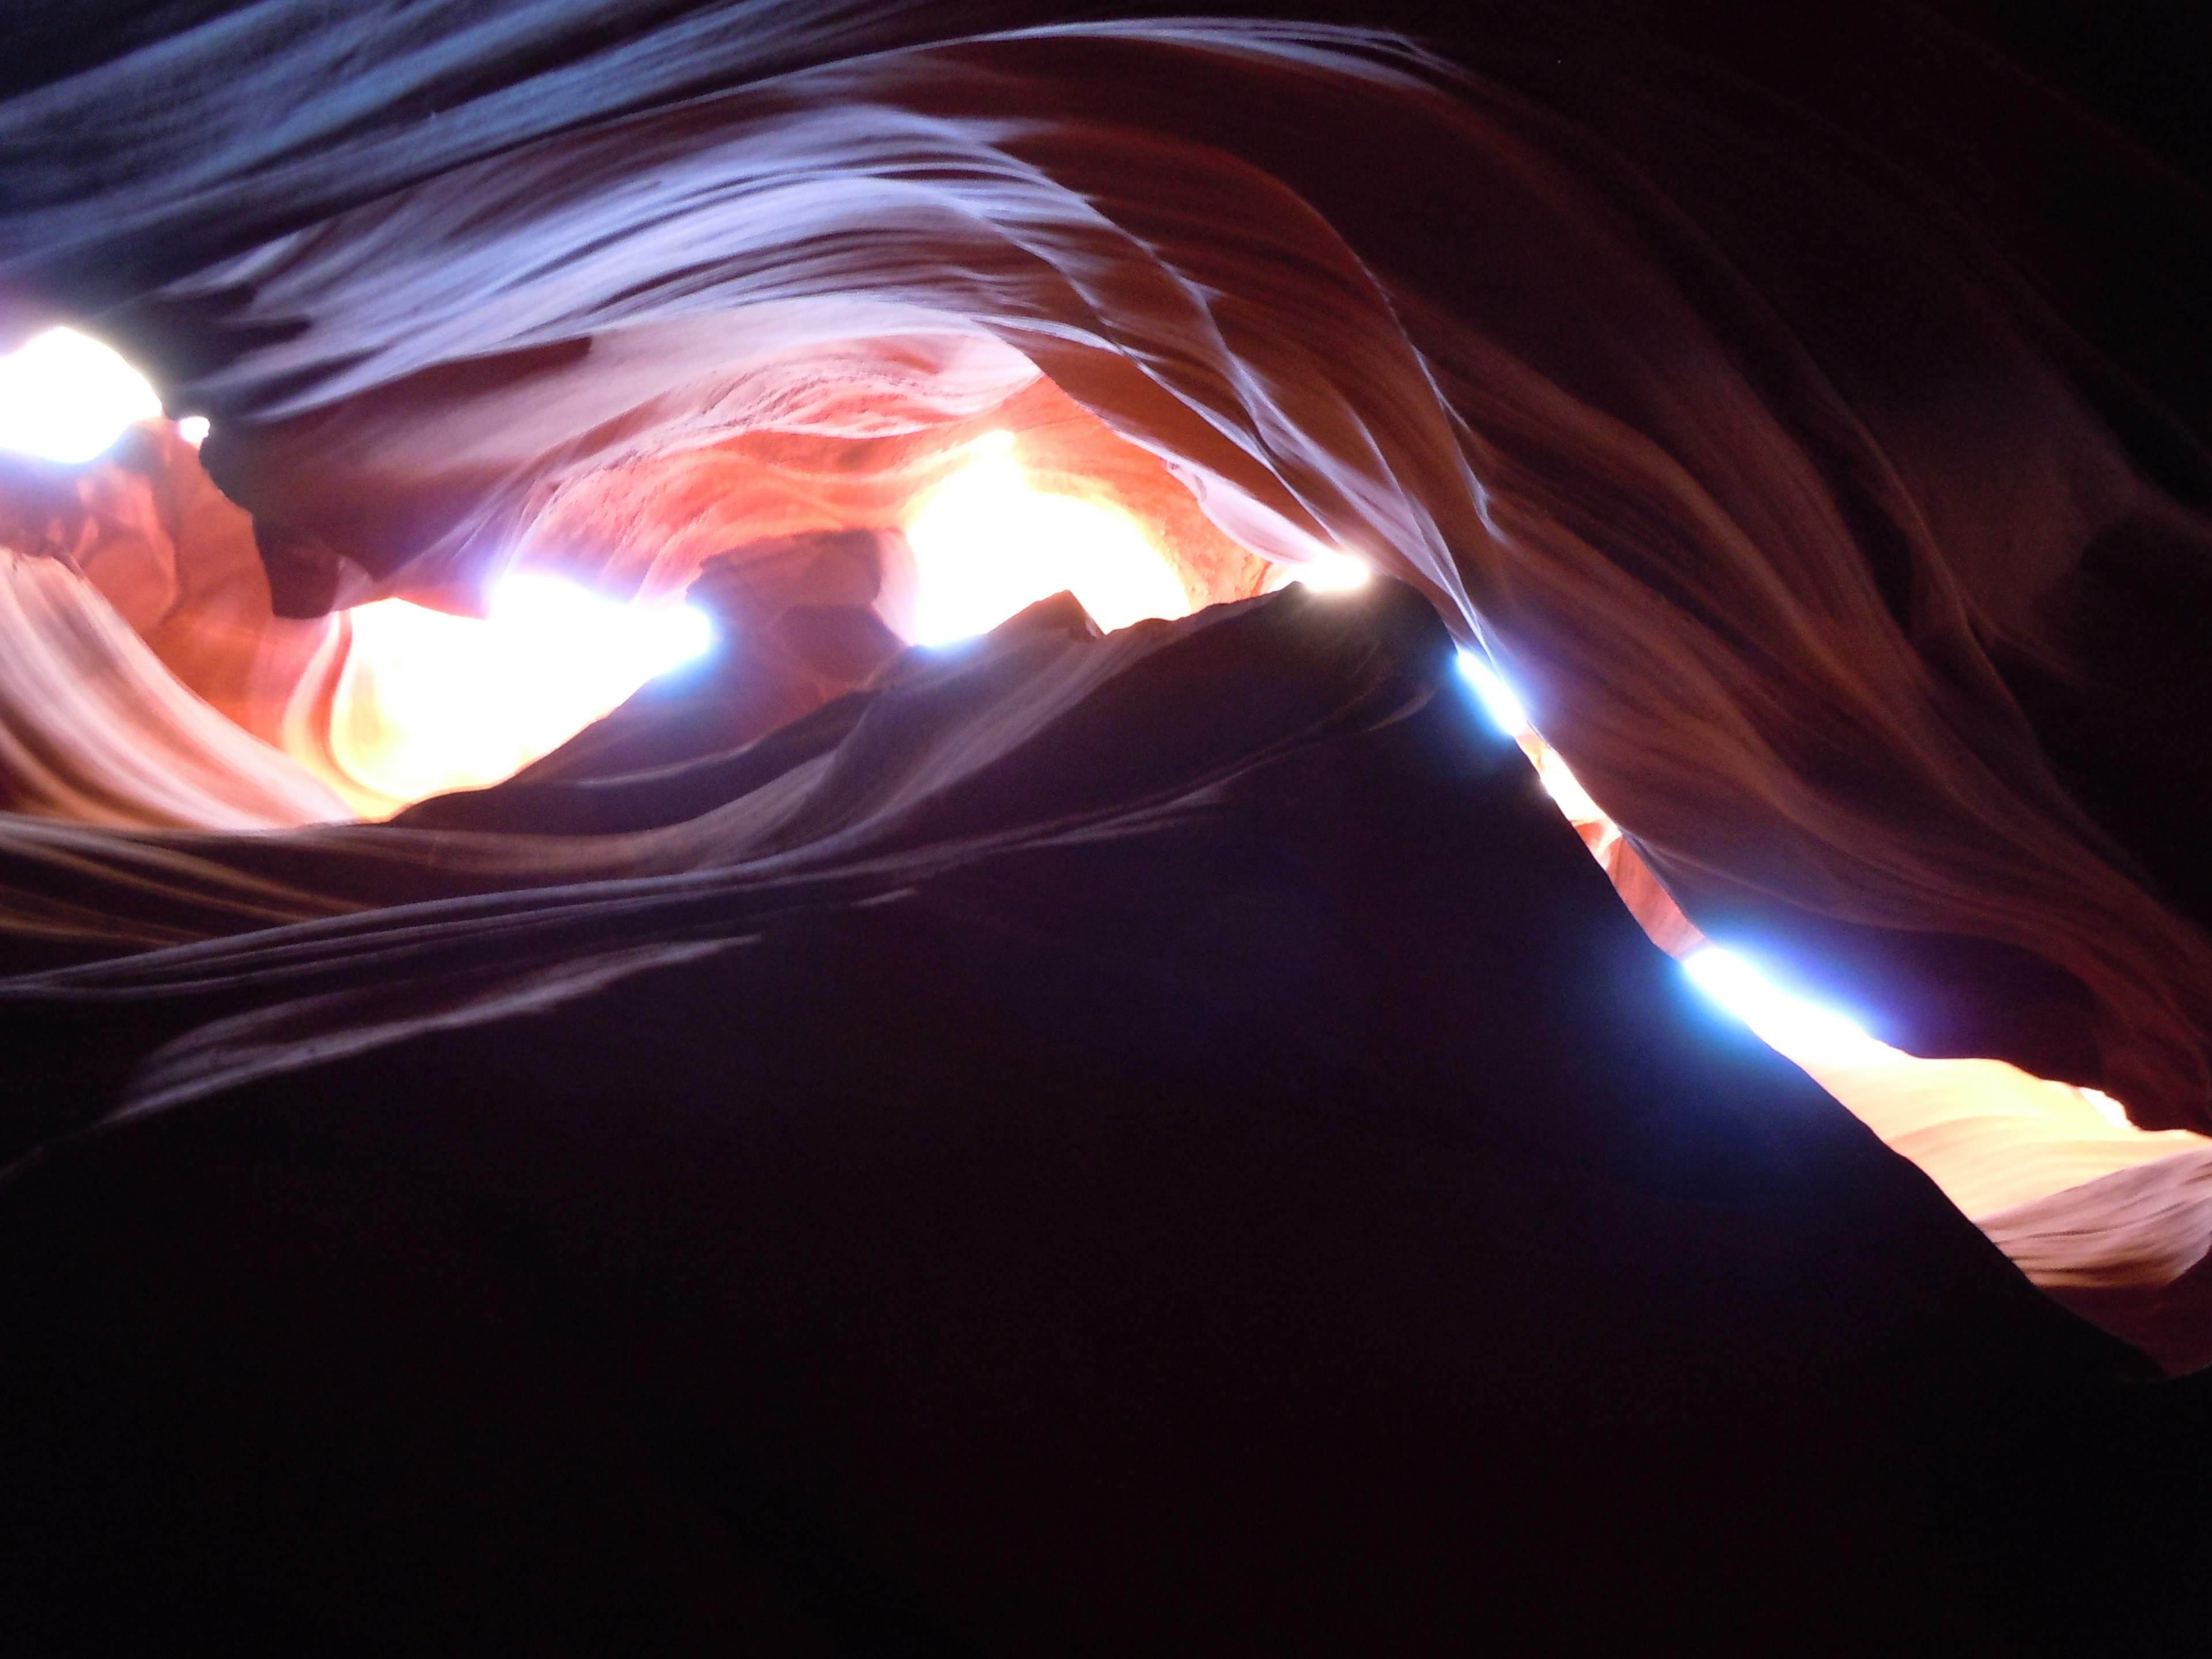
point(1808, 416)
point(1722, 379)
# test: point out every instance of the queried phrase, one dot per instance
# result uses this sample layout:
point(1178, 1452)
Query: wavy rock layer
point(95, 729)
point(1801, 411)
point(2131, 1251)
point(1733, 383)
point(149, 531)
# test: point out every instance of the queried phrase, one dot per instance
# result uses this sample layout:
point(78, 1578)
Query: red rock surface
point(1778, 475)
point(1809, 414)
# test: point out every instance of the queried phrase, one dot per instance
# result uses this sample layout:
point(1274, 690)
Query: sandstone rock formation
point(1131, 1142)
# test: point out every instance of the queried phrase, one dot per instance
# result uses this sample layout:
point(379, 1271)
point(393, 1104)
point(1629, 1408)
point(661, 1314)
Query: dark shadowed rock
point(1163, 1143)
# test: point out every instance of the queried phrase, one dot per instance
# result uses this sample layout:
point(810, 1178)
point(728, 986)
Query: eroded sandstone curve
point(1754, 441)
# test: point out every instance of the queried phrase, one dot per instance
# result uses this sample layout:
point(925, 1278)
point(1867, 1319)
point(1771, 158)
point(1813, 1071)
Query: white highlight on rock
point(987, 543)
point(1784, 1022)
point(431, 701)
point(65, 396)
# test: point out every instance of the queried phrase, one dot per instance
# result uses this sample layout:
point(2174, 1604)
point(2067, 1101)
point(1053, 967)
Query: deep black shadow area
point(1169, 1146)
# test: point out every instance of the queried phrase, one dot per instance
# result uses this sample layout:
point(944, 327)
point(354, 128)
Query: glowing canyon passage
point(996, 829)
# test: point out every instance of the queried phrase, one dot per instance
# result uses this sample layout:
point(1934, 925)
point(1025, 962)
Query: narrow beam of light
point(988, 544)
point(1499, 702)
point(1504, 711)
point(1786, 1023)
point(65, 396)
point(432, 701)
point(1566, 790)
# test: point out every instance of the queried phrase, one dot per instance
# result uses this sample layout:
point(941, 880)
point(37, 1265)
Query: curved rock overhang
point(1734, 410)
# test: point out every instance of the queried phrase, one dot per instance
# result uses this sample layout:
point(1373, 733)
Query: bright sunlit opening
point(1566, 790)
point(1499, 702)
point(193, 430)
point(1504, 711)
point(987, 543)
point(64, 397)
point(431, 701)
point(1330, 573)
point(1784, 1022)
